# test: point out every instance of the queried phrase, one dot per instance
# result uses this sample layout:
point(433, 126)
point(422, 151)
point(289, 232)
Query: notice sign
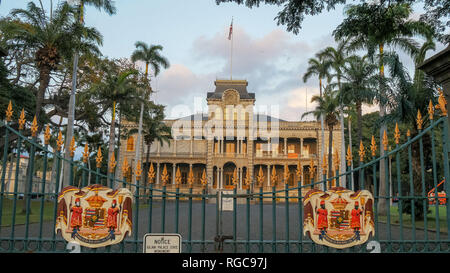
point(162, 243)
point(227, 203)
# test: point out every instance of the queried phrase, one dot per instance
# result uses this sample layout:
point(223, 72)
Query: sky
point(194, 36)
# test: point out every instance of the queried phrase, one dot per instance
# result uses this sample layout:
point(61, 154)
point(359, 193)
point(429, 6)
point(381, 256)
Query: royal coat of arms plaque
point(339, 217)
point(94, 216)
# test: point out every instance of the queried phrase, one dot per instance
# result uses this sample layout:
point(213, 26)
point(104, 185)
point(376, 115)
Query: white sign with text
point(162, 243)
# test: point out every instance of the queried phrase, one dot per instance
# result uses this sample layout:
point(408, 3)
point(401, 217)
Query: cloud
point(273, 65)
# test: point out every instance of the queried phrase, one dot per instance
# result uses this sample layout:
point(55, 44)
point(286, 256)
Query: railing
point(261, 221)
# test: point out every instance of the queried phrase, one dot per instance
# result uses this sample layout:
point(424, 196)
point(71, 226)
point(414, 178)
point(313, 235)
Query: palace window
point(130, 144)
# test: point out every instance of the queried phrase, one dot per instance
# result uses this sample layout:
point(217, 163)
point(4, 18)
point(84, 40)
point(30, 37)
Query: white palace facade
point(231, 140)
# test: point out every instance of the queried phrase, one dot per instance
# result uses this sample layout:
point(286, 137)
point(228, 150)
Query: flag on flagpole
point(231, 30)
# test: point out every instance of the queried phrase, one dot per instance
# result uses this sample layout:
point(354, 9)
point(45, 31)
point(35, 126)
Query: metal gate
point(416, 215)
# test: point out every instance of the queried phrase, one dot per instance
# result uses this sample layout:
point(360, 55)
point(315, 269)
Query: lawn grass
point(35, 206)
point(407, 219)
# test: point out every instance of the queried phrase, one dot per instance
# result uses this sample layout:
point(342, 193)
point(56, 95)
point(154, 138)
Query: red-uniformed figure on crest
point(322, 221)
point(111, 221)
point(355, 223)
point(76, 220)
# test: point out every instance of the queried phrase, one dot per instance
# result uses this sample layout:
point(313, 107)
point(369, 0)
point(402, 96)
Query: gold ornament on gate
point(138, 171)
point(112, 163)
point(72, 147)
point(431, 110)
point(385, 141)
point(59, 141)
point(373, 146)
point(151, 174)
point(260, 177)
point(47, 135)
point(9, 112)
point(34, 127)
point(442, 102)
point(22, 119)
point(349, 157)
point(273, 177)
point(190, 179)
point(99, 157)
point(204, 180)
point(419, 120)
point(177, 177)
point(397, 134)
point(86, 153)
point(165, 175)
point(362, 151)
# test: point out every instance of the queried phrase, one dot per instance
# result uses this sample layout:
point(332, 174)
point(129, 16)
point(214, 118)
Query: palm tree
point(338, 57)
point(328, 107)
point(320, 67)
point(116, 87)
point(150, 56)
point(373, 26)
point(154, 129)
point(52, 38)
point(359, 80)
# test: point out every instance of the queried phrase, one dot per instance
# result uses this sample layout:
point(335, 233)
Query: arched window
point(130, 144)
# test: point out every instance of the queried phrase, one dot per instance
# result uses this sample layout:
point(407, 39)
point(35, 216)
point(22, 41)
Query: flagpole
point(231, 51)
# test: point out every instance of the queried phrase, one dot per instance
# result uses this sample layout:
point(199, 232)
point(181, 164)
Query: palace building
point(229, 141)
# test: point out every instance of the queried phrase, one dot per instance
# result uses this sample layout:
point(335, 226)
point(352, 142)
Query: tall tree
point(328, 107)
point(338, 57)
point(150, 56)
point(359, 77)
point(115, 88)
point(321, 68)
point(52, 38)
point(369, 26)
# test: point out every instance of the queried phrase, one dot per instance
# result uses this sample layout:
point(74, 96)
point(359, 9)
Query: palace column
point(240, 178)
point(157, 173)
point(285, 146)
point(174, 167)
point(218, 177)
point(268, 176)
point(301, 147)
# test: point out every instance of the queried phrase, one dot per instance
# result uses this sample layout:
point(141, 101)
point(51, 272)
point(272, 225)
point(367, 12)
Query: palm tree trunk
point(138, 144)
point(330, 149)
point(147, 166)
point(359, 120)
point(112, 134)
point(322, 131)
point(382, 210)
point(341, 119)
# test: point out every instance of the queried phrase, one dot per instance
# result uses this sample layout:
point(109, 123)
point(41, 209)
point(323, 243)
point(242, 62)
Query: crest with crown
point(339, 203)
point(96, 201)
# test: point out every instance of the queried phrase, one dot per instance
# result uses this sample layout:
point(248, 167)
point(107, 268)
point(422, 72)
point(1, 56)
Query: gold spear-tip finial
point(9, 112)
point(373, 146)
point(138, 171)
point(86, 153)
point(362, 151)
point(177, 177)
point(385, 141)
point(99, 157)
point(165, 175)
point(190, 179)
point(247, 179)
point(59, 141)
point(442, 102)
point(336, 160)
point(112, 163)
point(349, 156)
point(151, 174)
point(286, 174)
point(72, 147)
point(431, 110)
point(260, 177)
point(204, 180)
point(419, 120)
point(47, 135)
point(273, 177)
point(22, 119)
point(34, 127)
point(125, 167)
point(397, 134)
